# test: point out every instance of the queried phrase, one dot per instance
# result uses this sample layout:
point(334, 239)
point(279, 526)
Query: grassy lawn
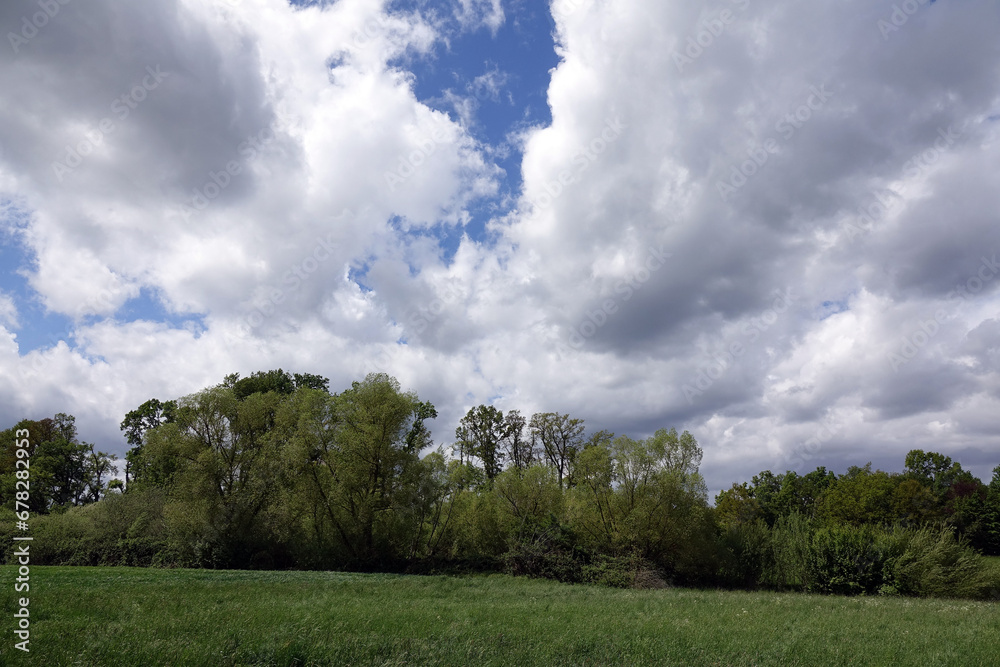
point(126, 616)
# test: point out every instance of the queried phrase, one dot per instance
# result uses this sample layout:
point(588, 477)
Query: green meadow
point(146, 616)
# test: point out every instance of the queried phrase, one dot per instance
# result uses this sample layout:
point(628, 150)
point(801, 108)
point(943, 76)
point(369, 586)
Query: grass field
point(126, 616)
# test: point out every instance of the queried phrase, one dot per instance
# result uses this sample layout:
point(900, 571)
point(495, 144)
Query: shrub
point(934, 563)
point(848, 560)
point(747, 553)
point(629, 571)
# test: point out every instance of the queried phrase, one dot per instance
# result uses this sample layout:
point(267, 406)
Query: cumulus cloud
point(771, 223)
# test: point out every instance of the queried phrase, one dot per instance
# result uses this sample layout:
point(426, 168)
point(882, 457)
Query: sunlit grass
point(125, 616)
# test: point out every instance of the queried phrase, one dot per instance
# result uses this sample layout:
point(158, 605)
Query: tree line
point(274, 470)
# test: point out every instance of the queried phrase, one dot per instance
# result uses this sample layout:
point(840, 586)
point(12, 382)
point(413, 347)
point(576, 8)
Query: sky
point(771, 223)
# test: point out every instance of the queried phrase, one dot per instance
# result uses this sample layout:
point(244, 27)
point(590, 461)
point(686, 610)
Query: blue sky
point(643, 213)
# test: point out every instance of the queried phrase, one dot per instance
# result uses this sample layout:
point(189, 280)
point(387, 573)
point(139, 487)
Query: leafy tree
point(991, 516)
point(137, 422)
point(862, 496)
point(643, 496)
point(277, 381)
point(934, 470)
point(310, 381)
point(515, 447)
point(480, 433)
point(220, 464)
point(99, 468)
point(559, 437)
point(799, 494)
point(64, 471)
point(914, 504)
point(355, 456)
point(736, 506)
point(766, 490)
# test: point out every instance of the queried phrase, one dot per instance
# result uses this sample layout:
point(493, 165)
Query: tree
point(278, 381)
point(515, 447)
point(736, 506)
point(137, 422)
point(219, 463)
point(480, 433)
point(862, 496)
point(64, 471)
point(914, 504)
point(99, 466)
point(799, 494)
point(355, 456)
point(560, 438)
point(991, 516)
point(766, 489)
point(934, 470)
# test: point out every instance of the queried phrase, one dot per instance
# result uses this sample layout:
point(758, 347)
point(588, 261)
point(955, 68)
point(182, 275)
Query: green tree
point(480, 433)
point(736, 506)
point(860, 497)
point(766, 490)
point(220, 464)
point(991, 516)
point(277, 381)
point(559, 437)
point(936, 471)
point(356, 456)
point(137, 422)
point(64, 471)
point(517, 449)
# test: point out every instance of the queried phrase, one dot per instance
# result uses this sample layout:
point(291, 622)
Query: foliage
point(64, 472)
point(275, 471)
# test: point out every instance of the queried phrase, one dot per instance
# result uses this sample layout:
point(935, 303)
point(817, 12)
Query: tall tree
point(137, 423)
point(516, 447)
point(480, 433)
point(356, 456)
point(559, 438)
point(64, 471)
point(935, 470)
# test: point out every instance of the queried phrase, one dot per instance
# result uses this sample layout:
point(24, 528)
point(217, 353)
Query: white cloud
point(340, 172)
point(475, 13)
point(8, 311)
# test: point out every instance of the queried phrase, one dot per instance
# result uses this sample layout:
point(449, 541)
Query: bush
point(622, 572)
point(848, 561)
point(934, 563)
point(747, 554)
point(544, 553)
point(791, 545)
